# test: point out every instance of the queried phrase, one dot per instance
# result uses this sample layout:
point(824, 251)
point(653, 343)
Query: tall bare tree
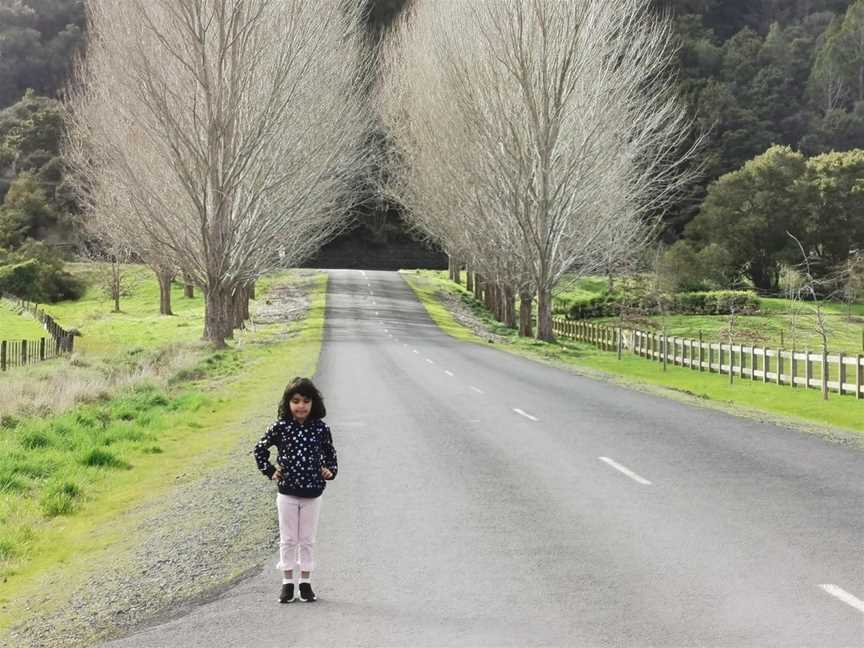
point(231, 130)
point(556, 120)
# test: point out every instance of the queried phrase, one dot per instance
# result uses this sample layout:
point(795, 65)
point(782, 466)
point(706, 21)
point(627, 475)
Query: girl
point(306, 458)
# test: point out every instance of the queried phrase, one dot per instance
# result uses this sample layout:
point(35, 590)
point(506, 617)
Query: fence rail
point(21, 353)
point(841, 373)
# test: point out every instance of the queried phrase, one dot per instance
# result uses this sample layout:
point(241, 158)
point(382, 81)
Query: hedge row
point(716, 302)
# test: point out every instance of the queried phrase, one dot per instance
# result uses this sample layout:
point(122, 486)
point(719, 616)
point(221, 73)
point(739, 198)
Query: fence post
point(720, 360)
point(701, 354)
point(732, 363)
point(665, 350)
point(858, 380)
point(808, 368)
point(824, 373)
point(23, 353)
point(620, 341)
point(753, 363)
point(779, 366)
point(793, 361)
point(3, 355)
point(764, 365)
point(42, 349)
point(842, 373)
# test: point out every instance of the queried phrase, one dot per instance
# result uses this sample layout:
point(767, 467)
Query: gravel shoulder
point(182, 548)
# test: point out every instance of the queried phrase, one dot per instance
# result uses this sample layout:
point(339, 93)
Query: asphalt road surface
point(488, 500)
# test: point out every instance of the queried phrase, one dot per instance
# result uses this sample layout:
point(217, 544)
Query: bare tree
point(230, 130)
point(812, 289)
point(550, 126)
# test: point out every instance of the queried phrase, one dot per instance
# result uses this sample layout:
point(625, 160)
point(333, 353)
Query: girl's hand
point(277, 476)
point(325, 473)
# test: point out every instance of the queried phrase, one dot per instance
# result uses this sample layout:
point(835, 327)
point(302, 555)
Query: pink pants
point(298, 524)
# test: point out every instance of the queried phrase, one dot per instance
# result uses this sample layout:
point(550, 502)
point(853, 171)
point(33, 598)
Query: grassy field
point(66, 479)
point(18, 327)
point(741, 397)
point(780, 323)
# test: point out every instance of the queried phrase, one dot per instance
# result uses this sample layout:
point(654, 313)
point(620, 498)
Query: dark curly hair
point(304, 387)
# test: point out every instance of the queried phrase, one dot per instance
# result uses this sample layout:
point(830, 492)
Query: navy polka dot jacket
point(301, 450)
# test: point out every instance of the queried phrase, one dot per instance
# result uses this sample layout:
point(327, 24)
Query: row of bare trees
point(535, 139)
point(219, 138)
point(531, 139)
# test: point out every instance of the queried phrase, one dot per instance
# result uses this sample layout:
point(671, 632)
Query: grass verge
point(76, 482)
point(835, 418)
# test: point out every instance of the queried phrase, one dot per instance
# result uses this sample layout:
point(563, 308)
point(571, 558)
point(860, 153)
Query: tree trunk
point(165, 277)
point(217, 323)
point(544, 315)
point(239, 307)
point(457, 271)
point(526, 299)
point(188, 290)
point(115, 284)
point(509, 307)
point(469, 280)
point(478, 286)
point(491, 298)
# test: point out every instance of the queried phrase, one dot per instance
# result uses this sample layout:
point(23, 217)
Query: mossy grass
point(795, 406)
point(77, 495)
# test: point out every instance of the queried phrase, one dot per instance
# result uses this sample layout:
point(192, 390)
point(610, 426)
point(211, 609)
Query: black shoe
point(287, 594)
point(306, 593)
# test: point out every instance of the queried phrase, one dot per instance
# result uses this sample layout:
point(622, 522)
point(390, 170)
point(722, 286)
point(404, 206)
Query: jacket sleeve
point(328, 452)
point(262, 450)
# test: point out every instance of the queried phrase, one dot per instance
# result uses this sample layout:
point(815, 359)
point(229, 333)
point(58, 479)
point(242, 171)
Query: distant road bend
point(488, 500)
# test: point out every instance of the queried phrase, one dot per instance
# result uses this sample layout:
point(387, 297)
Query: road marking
point(626, 471)
point(386, 331)
point(416, 351)
point(376, 312)
point(449, 373)
point(430, 361)
point(525, 414)
point(844, 596)
point(479, 391)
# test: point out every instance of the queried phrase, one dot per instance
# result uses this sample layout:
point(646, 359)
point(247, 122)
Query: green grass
point(66, 482)
point(18, 327)
point(138, 324)
point(742, 396)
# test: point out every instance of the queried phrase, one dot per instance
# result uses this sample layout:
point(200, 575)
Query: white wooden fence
point(837, 372)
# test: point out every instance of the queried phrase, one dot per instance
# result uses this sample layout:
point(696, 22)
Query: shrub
point(35, 273)
point(717, 302)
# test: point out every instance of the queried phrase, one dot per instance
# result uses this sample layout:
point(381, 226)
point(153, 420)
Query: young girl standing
point(306, 458)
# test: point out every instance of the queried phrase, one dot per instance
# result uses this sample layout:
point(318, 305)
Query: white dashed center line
point(525, 414)
point(416, 351)
point(449, 373)
point(429, 361)
point(626, 471)
point(844, 596)
point(476, 389)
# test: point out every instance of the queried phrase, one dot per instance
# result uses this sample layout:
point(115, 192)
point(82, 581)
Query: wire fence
point(21, 353)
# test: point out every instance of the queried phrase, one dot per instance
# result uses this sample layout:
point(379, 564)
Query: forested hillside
point(755, 73)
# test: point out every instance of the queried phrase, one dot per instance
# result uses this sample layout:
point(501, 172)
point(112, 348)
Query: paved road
point(487, 500)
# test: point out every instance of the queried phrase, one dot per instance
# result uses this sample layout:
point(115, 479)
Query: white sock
point(305, 580)
point(287, 581)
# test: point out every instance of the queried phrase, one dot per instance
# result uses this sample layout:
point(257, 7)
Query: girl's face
point(300, 407)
